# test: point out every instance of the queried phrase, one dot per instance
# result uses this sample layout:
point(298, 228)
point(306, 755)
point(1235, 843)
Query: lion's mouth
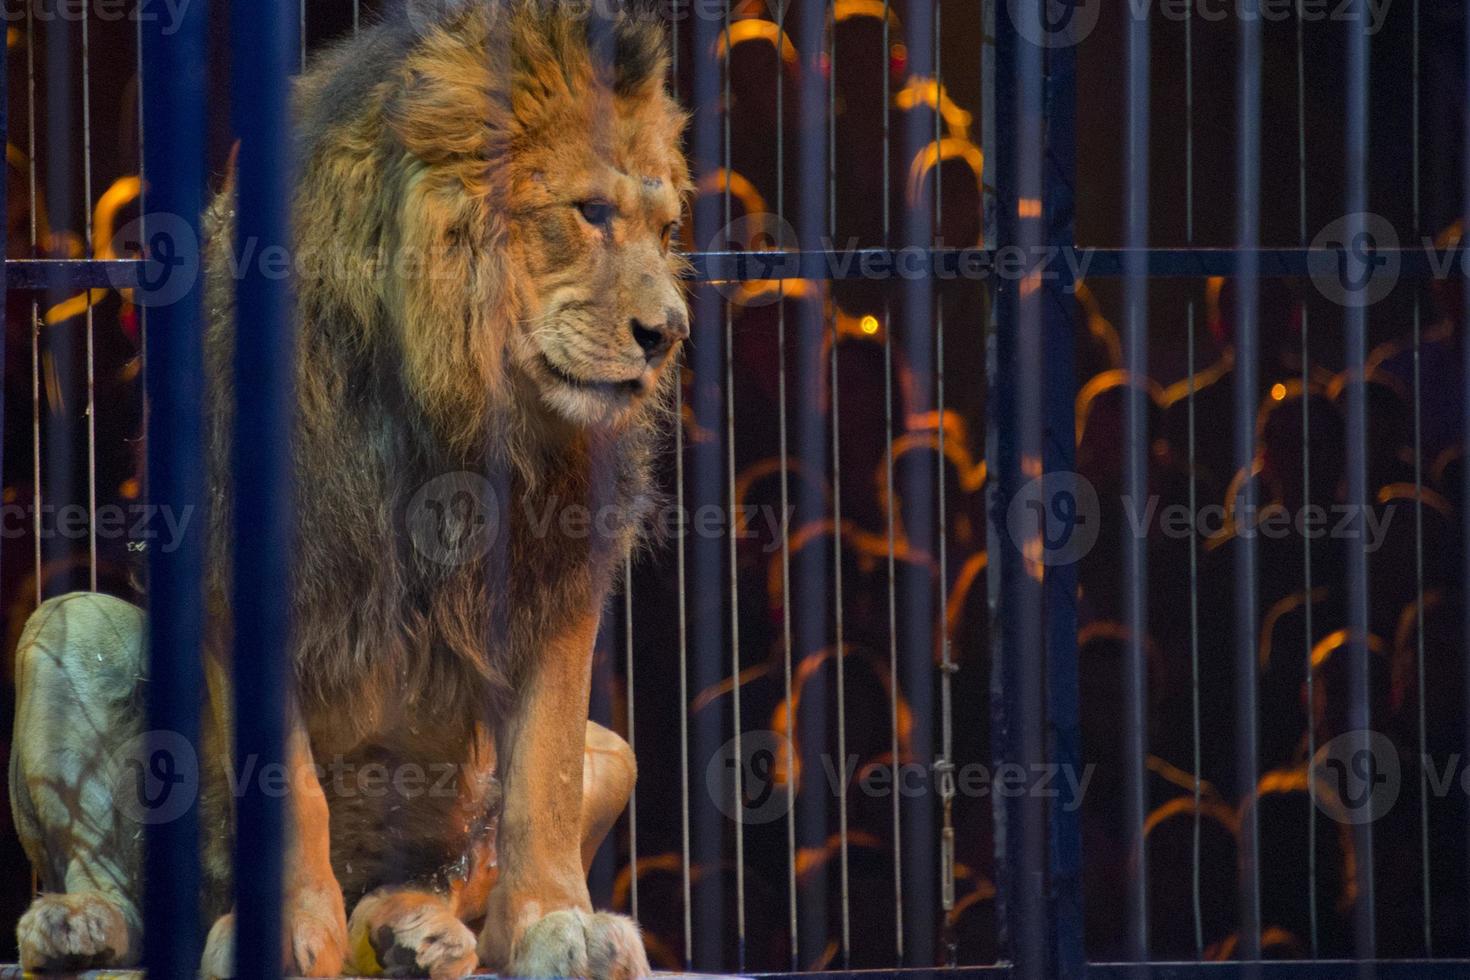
point(612, 388)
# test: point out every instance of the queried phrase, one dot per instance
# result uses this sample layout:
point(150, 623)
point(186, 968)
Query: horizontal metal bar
point(1260, 970)
point(39, 274)
point(888, 264)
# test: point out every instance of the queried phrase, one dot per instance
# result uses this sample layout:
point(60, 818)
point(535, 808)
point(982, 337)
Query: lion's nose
point(656, 339)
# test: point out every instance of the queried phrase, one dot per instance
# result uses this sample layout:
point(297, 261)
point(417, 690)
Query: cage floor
point(1273, 970)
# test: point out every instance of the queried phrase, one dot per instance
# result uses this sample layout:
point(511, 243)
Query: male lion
point(518, 166)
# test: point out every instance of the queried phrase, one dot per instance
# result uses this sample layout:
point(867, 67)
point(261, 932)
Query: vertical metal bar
point(263, 42)
point(1308, 673)
point(916, 490)
point(1248, 199)
point(89, 250)
point(58, 357)
point(794, 923)
point(35, 324)
point(174, 362)
point(681, 577)
point(4, 240)
point(733, 550)
point(888, 484)
point(837, 591)
point(1135, 482)
point(810, 440)
point(1016, 456)
point(894, 695)
point(1355, 355)
point(944, 767)
point(1067, 955)
point(1194, 703)
point(632, 735)
point(706, 483)
point(1424, 862)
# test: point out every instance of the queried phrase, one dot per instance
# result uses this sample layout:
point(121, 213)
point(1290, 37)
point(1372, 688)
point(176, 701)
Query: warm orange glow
point(129, 488)
point(869, 325)
point(1278, 392)
point(1029, 207)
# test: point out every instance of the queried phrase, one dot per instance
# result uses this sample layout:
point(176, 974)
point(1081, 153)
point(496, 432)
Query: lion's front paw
point(79, 931)
point(316, 946)
point(409, 934)
point(573, 943)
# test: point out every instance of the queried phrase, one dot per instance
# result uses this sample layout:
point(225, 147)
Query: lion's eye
point(596, 212)
point(671, 230)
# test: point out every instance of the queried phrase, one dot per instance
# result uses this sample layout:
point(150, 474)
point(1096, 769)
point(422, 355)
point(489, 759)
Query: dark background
point(934, 598)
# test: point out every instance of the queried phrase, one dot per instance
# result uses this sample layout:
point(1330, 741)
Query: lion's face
point(596, 216)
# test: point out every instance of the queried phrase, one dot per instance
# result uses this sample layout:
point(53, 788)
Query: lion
point(526, 160)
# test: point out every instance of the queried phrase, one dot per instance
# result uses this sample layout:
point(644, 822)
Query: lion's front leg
point(315, 926)
point(540, 921)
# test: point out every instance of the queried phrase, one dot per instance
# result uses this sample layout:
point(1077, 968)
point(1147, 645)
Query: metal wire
point(632, 734)
point(35, 304)
point(1194, 706)
point(91, 324)
point(888, 481)
point(1419, 525)
point(734, 555)
point(1136, 450)
point(683, 672)
point(842, 829)
point(1355, 356)
point(1246, 397)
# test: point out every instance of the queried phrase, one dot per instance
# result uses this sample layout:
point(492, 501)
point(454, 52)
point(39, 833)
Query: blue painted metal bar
point(1247, 395)
point(263, 43)
point(1136, 450)
point(812, 619)
point(916, 492)
point(705, 484)
point(173, 87)
point(63, 472)
point(1015, 452)
point(1064, 736)
point(1355, 356)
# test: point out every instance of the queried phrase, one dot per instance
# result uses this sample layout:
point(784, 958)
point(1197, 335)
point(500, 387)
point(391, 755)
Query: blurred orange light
point(1278, 392)
point(869, 325)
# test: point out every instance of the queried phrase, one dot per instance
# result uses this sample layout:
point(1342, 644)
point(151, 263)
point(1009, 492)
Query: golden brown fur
point(485, 286)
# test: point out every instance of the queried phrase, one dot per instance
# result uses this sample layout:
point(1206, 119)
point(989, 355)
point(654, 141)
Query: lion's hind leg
point(404, 932)
point(79, 675)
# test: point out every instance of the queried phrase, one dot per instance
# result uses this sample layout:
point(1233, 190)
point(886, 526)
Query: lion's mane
point(407, 291)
